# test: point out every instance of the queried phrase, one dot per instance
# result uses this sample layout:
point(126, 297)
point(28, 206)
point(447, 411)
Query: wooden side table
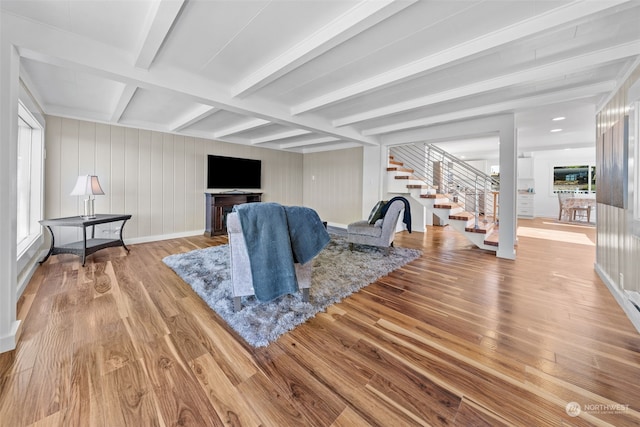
point(86, 246)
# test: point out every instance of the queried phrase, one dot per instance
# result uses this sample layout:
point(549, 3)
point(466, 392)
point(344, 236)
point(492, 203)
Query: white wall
point(545, 201)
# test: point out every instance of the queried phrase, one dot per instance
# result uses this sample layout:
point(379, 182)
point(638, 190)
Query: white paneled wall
point(158, 178)
point(617, 248)
point(333, 184)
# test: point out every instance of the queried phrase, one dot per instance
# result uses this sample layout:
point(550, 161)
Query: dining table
point(577, 205)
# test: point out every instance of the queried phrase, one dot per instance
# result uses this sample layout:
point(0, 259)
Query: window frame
point(26, 248)
point(591, 169)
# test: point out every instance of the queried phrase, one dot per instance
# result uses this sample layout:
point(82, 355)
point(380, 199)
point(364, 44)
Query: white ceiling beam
point(281, 135)
point(501, 107)
point(191, 117)
point(161, 16)
point(469, 129)
point(554, 69)
point(123, 101)
point(329, 147)
point(362, 16)
point(64, 49)
point(244, 126)
point(545, 21)
point(315, 141)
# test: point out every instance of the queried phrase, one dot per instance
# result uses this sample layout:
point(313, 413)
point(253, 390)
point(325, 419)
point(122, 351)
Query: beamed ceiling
point(310, 75)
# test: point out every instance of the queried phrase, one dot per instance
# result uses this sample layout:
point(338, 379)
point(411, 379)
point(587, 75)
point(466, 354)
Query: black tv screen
point(233, 172)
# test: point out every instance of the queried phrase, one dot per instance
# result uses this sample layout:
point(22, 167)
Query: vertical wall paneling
point(189, 182)
point(52, 172)
point(103, 167)
point(168, 177)
point(156, 184)
point(69, 161)
point(117, 178)
point(158, 178)
point(86, 161)
point(374, 160)
point(333, 184)
point(131, 180)
point(179, 180)
point(144, 184)
point(200, 169)
point(617, 251)
point(86, 148)
point(69, 170)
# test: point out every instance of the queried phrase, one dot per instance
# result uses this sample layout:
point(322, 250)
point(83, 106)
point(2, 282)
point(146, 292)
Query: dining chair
point(565, 209)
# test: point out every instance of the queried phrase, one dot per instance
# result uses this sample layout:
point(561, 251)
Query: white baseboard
point(147, 239)
point(621, 297)
point(24, 280)
point(8, 342)
point(337, 225)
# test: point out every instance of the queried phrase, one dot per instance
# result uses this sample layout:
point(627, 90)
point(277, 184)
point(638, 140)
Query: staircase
point(458, 194)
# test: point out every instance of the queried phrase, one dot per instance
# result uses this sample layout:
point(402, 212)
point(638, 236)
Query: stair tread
point(399, 169)
point(434, 196)
point(483, 228)
point(492, 238)
point(446, 205)
point(462, 216)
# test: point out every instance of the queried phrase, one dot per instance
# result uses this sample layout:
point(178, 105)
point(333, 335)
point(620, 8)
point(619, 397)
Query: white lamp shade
point(87, 185)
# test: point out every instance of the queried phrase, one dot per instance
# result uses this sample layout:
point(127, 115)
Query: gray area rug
point(337, 272)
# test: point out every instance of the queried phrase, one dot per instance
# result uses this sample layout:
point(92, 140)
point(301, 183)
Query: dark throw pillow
point(376, 212)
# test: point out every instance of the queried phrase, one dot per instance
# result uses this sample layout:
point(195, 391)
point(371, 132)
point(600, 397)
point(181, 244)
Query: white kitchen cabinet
point(525, 205)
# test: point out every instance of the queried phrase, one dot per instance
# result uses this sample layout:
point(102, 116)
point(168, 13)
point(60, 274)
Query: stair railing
point(450, 175)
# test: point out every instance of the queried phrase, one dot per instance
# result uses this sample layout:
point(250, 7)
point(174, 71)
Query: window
point(576, 178)
point(29, 179)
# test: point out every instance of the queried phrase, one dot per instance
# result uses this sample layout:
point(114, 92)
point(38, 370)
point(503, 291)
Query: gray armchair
point(381, 233)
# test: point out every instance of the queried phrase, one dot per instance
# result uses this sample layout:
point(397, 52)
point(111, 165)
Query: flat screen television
point(233, 173)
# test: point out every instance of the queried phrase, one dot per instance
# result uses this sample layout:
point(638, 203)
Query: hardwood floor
point(456, 337)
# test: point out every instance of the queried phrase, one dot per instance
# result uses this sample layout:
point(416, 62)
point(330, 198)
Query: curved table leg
point(84, 245)
point(53, 240)
point(122, 241)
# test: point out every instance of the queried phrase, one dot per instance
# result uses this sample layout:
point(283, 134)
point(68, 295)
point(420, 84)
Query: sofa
point(243, 277)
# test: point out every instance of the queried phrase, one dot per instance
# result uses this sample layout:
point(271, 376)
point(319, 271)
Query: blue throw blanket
point(277, 236)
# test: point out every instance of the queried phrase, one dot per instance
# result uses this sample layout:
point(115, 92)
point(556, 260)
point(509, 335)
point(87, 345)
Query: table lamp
point(87, 185)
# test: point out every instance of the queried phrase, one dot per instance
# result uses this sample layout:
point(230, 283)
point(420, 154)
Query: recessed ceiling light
point(556, 130)
point(557, 119)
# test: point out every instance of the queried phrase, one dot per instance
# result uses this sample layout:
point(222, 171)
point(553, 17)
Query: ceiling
point(313, 75)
